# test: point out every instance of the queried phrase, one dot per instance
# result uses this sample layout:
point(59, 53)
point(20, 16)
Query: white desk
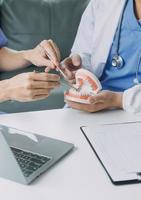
point(79, 176)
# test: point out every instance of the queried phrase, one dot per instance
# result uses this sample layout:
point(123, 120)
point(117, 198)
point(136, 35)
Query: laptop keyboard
point(29, 162)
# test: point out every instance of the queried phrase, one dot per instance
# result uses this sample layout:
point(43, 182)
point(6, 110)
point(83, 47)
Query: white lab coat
point(94, 39)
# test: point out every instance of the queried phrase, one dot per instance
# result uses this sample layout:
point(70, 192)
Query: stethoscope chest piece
point(117, 62)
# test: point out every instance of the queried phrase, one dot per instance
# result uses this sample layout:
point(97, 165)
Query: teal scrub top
point(130, 50)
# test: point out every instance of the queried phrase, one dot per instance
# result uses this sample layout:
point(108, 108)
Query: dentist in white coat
point(108, 43)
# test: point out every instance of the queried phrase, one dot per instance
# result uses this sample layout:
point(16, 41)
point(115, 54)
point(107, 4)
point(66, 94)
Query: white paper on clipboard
point(119, 147)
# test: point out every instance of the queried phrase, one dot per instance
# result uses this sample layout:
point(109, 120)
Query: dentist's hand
point(46, 54)
point(31, 86)
point(70, 65)
point(103, 100)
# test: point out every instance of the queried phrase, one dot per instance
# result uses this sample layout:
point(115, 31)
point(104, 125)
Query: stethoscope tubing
point(117, 60)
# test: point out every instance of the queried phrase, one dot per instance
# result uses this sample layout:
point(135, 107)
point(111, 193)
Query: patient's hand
point(70, 65)
point(101, 101)
point(31, 86)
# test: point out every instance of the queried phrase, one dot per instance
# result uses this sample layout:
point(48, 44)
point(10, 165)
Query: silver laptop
point(24, 156)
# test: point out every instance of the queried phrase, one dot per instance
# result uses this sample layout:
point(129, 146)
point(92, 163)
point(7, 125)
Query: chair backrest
point(27, 22)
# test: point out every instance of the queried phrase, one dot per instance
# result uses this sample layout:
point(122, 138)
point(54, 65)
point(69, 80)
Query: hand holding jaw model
point(87, 84)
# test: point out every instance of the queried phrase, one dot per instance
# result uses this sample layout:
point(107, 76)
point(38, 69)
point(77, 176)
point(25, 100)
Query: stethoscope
point(117, 60)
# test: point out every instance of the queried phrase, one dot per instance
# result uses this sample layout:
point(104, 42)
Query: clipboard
point(119, 172)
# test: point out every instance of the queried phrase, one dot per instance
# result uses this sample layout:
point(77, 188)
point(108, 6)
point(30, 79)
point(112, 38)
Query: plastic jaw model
point(87, 84)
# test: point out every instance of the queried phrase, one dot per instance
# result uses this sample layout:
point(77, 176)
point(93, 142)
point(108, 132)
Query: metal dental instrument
point(63, 74)
point(66, 79)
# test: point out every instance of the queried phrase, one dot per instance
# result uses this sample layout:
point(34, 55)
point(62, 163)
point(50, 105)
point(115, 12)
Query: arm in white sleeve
point(83, 41)
point(132, 99)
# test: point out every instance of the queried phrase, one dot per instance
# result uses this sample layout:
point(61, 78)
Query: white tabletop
point(78, 176)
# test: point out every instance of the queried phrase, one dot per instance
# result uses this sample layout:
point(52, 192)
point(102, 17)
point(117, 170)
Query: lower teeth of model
point(85, 90)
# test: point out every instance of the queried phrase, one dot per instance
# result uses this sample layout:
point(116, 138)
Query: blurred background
point(26, 23)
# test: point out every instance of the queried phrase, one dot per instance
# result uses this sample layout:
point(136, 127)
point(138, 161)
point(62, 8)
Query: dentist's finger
point(97, 98)
point(76, 60)
point(72, 63)
point(69, 74)
point(102, 96)
point(86, 107)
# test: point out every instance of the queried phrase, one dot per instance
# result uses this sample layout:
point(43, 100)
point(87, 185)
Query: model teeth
point(84, 91)
point(86, 88)
point(89, 85)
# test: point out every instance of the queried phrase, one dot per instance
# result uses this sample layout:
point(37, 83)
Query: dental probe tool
point(63, 74)
point(66, 79)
